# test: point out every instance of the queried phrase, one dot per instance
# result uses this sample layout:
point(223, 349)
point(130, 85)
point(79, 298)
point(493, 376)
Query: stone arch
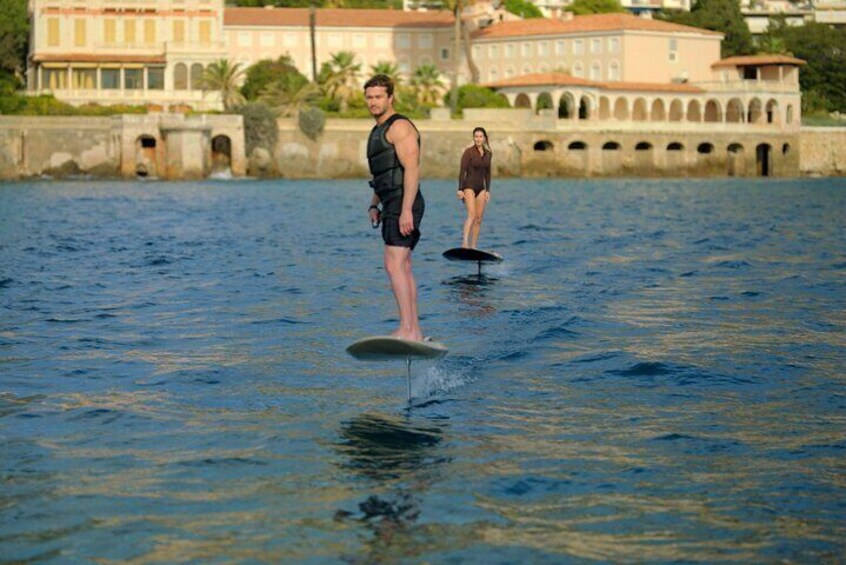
point(785, 149)
point(789, 114)
point(543, 145)
point(621, 109)
point(639, 110)
point(604, 108)
point(576, 157)
point(676, 110)
point(584, 108)
point(735, 160)
point(221, 153)
point(522, 101)
point(771, 112)
point(657, 113)
point(566, 107)
point(734, 111)
point(675, 157)
point(180, 76)
point(196, 76)
point(763, 160)
point(705, 148)
point(756, 112)
point(644, 157)
point(145, 156)
point(612, 159)
point(713, 112)
point(544, 102)
point(694, 111)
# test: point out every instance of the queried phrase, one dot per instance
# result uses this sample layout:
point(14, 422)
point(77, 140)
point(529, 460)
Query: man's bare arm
point(404, 138)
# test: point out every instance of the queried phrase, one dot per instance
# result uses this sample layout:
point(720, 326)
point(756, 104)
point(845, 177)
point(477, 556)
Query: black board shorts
point(390, 222)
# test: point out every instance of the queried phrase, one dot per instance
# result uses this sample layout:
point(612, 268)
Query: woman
point(474, 185)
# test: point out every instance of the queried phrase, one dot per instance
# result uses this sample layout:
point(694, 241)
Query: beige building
point(149, 52)
point(409, 39)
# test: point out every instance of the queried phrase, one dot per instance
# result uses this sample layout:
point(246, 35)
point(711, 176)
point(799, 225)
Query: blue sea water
point(653, 374)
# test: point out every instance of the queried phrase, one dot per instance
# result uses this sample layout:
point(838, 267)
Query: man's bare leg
point(398, 267)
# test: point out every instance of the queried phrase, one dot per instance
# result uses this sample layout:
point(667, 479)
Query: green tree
point(290, 94)
point(339, 78)
point(427, 84)
point(823, 48)
point(522, 8)
point(389, 69)
point(719, 15)
point(475, 96)
point(260, 75)
point(587, 7)
point(14, 36)
point(223, 76)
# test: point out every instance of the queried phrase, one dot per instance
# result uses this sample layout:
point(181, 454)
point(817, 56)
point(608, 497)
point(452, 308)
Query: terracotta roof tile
point(564, 79)
point(751, 60)
point(583, 24)
point(335, 17)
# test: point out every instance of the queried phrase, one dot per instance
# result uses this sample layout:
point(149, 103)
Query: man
point(393, 153)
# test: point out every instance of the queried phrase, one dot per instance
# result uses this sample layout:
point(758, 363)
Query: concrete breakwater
point(177, 147)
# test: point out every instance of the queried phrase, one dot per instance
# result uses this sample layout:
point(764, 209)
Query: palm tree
point(224, 77)
point(340, 77)
point(427, 84)
point(388, 68)
point(456, 7)
point(290, 94)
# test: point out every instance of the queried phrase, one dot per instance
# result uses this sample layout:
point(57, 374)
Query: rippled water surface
point(655, 373)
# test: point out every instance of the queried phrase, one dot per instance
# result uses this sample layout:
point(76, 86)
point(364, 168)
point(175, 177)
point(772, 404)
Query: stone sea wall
point(525, 145)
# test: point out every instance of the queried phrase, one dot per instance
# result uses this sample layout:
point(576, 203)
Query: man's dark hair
point(381, 80)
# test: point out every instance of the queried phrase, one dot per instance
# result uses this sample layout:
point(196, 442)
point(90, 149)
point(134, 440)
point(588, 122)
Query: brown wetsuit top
point(475, 170)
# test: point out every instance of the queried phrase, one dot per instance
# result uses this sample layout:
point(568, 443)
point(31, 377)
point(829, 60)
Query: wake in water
point(436, 380)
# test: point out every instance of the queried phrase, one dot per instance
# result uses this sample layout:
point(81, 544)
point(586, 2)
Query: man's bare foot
point(409, 336)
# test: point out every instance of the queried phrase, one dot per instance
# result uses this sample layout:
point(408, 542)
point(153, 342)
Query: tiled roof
point(756, 60)
point(335, 17)
point(96, 58)
point(564, 79)
point(583, 24)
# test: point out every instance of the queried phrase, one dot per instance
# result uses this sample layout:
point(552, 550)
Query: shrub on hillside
point(474, 96)
point(260, 129)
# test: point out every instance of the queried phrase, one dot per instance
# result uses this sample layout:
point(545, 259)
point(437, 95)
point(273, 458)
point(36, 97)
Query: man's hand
point(406, 223)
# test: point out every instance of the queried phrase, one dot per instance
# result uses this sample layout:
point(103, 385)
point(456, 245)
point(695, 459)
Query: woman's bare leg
point(470, 202)
point(476, 225)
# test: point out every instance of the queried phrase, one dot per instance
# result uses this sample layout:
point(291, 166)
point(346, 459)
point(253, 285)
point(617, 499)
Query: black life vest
point(384, 164)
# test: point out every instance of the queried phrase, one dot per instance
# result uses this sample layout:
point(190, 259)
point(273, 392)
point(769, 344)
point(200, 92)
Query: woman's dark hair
point(486, 145)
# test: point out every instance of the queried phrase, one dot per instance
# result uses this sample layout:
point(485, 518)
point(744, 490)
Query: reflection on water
point(471, 292)
point(391, 450)
point(653, 374)
point(381, 448)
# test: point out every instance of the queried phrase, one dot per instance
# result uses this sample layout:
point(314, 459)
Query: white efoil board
point(385, 347)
